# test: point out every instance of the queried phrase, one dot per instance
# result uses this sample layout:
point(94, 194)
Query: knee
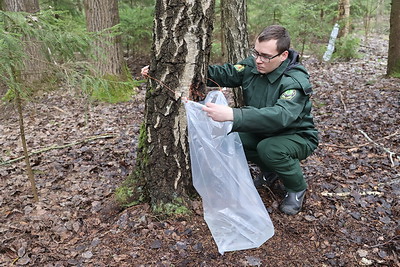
point(271, 151)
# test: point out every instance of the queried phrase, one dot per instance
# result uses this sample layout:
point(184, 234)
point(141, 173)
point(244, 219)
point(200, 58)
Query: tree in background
point(344, 17)
point(366, 9)
point(35, 63)
point(101, 15)
point(20, 72)
point(393, 66)
point(235, 38)
point(180, 56)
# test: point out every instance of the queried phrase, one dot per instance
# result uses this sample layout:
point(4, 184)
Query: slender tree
point(100, 16)
point(393, 66)
point(344, 17)
point(31, 48)
point(235, 36)
point(180, 56)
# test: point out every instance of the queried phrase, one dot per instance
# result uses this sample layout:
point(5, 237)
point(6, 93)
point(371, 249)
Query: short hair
point(276, 32)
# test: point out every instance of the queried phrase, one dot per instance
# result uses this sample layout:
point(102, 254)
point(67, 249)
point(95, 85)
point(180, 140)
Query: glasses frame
point(254, 53)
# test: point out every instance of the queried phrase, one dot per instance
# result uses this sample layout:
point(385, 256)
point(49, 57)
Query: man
point(275, 125)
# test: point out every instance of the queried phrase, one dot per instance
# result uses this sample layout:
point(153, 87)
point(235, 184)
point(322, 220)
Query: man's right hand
point(145, 71)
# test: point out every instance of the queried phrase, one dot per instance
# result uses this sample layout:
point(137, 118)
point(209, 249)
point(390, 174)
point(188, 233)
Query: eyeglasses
point(266, 59)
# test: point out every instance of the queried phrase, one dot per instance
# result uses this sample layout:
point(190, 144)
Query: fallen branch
point(346, 194)
point(383, 244)
point(59, 147)
point(361, 145)
point(391, 154)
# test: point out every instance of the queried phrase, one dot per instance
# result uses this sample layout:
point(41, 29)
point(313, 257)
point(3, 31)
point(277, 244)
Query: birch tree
point(180, 56)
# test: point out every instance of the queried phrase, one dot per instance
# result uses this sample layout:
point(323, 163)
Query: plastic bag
point(233, 209)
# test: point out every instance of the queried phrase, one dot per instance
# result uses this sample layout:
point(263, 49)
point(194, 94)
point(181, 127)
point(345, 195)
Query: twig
point(59, 109)
point(342, 100)
point(60, 147)
point(346, 194)
point(395, 181)
point(382, 244)
point(391, 154)
point(361, 145)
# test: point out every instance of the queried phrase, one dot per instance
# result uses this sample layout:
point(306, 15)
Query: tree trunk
point(180, 56)
point(235, 36)
point(393, 66)
point(25, 147)
point(344, 17)
point(30, 6)
point(35, 63)
point(100, 15)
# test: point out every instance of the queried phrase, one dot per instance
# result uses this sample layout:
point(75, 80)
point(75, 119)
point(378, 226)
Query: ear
point(284, 55)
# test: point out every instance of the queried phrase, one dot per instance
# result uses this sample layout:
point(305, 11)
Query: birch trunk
point(181, 49)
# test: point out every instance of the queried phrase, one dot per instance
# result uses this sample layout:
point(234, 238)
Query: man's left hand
point(218, 112)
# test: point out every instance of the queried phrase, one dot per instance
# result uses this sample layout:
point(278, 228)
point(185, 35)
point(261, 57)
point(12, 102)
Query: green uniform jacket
point(277, 103)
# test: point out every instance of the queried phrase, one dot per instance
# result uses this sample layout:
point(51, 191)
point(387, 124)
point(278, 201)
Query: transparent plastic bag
point(233, 209)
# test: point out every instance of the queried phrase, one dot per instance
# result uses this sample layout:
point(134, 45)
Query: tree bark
point(100, 15)
point(235, 36)
point(344, 17)
point(30, 6)
point(35, 63)
point(180, 56)
point(393, 66)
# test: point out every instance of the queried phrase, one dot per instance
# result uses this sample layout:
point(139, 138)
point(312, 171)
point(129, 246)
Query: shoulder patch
point(239, 68)
point(288, 94)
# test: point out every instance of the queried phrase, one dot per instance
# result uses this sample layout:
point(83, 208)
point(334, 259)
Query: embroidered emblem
point(239, 68)
point(288, 94)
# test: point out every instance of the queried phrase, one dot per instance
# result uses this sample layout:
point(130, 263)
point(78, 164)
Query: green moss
point(142, 136)
point(131, 192)
point(176, 207)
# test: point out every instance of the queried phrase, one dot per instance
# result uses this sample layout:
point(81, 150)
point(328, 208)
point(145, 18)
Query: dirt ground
point(350, 216)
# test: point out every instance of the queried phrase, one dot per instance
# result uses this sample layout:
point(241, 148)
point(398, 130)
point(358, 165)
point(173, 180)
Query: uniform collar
point(273, 76)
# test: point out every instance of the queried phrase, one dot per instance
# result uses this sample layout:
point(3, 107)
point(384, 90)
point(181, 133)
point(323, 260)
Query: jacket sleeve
point(269, 120)
point(227, 75)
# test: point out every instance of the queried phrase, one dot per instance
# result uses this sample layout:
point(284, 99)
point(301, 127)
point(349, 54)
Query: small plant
point(347, 48)
point(123, 194)
point(113, 91)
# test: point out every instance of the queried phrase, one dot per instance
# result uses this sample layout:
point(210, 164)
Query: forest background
point(74, 55)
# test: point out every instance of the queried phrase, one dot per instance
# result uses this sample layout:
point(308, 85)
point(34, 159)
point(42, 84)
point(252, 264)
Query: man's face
point(268, 49)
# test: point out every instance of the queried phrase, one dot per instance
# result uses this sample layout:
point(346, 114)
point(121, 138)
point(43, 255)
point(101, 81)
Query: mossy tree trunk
point(393, 66)
point(235, 36)
point(180, 56)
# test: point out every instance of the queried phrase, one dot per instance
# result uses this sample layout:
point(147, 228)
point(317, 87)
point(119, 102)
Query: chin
point(261, 71)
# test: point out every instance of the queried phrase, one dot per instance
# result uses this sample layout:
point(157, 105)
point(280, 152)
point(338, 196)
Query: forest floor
point(350, 216)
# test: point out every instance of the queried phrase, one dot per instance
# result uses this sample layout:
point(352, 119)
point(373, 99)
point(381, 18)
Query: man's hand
point(145, 71)
point(218, 112)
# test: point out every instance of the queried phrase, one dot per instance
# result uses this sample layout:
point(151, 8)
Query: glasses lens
point(255, 54)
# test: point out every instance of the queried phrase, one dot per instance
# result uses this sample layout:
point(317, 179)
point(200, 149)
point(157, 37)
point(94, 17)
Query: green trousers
point(280, 154)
